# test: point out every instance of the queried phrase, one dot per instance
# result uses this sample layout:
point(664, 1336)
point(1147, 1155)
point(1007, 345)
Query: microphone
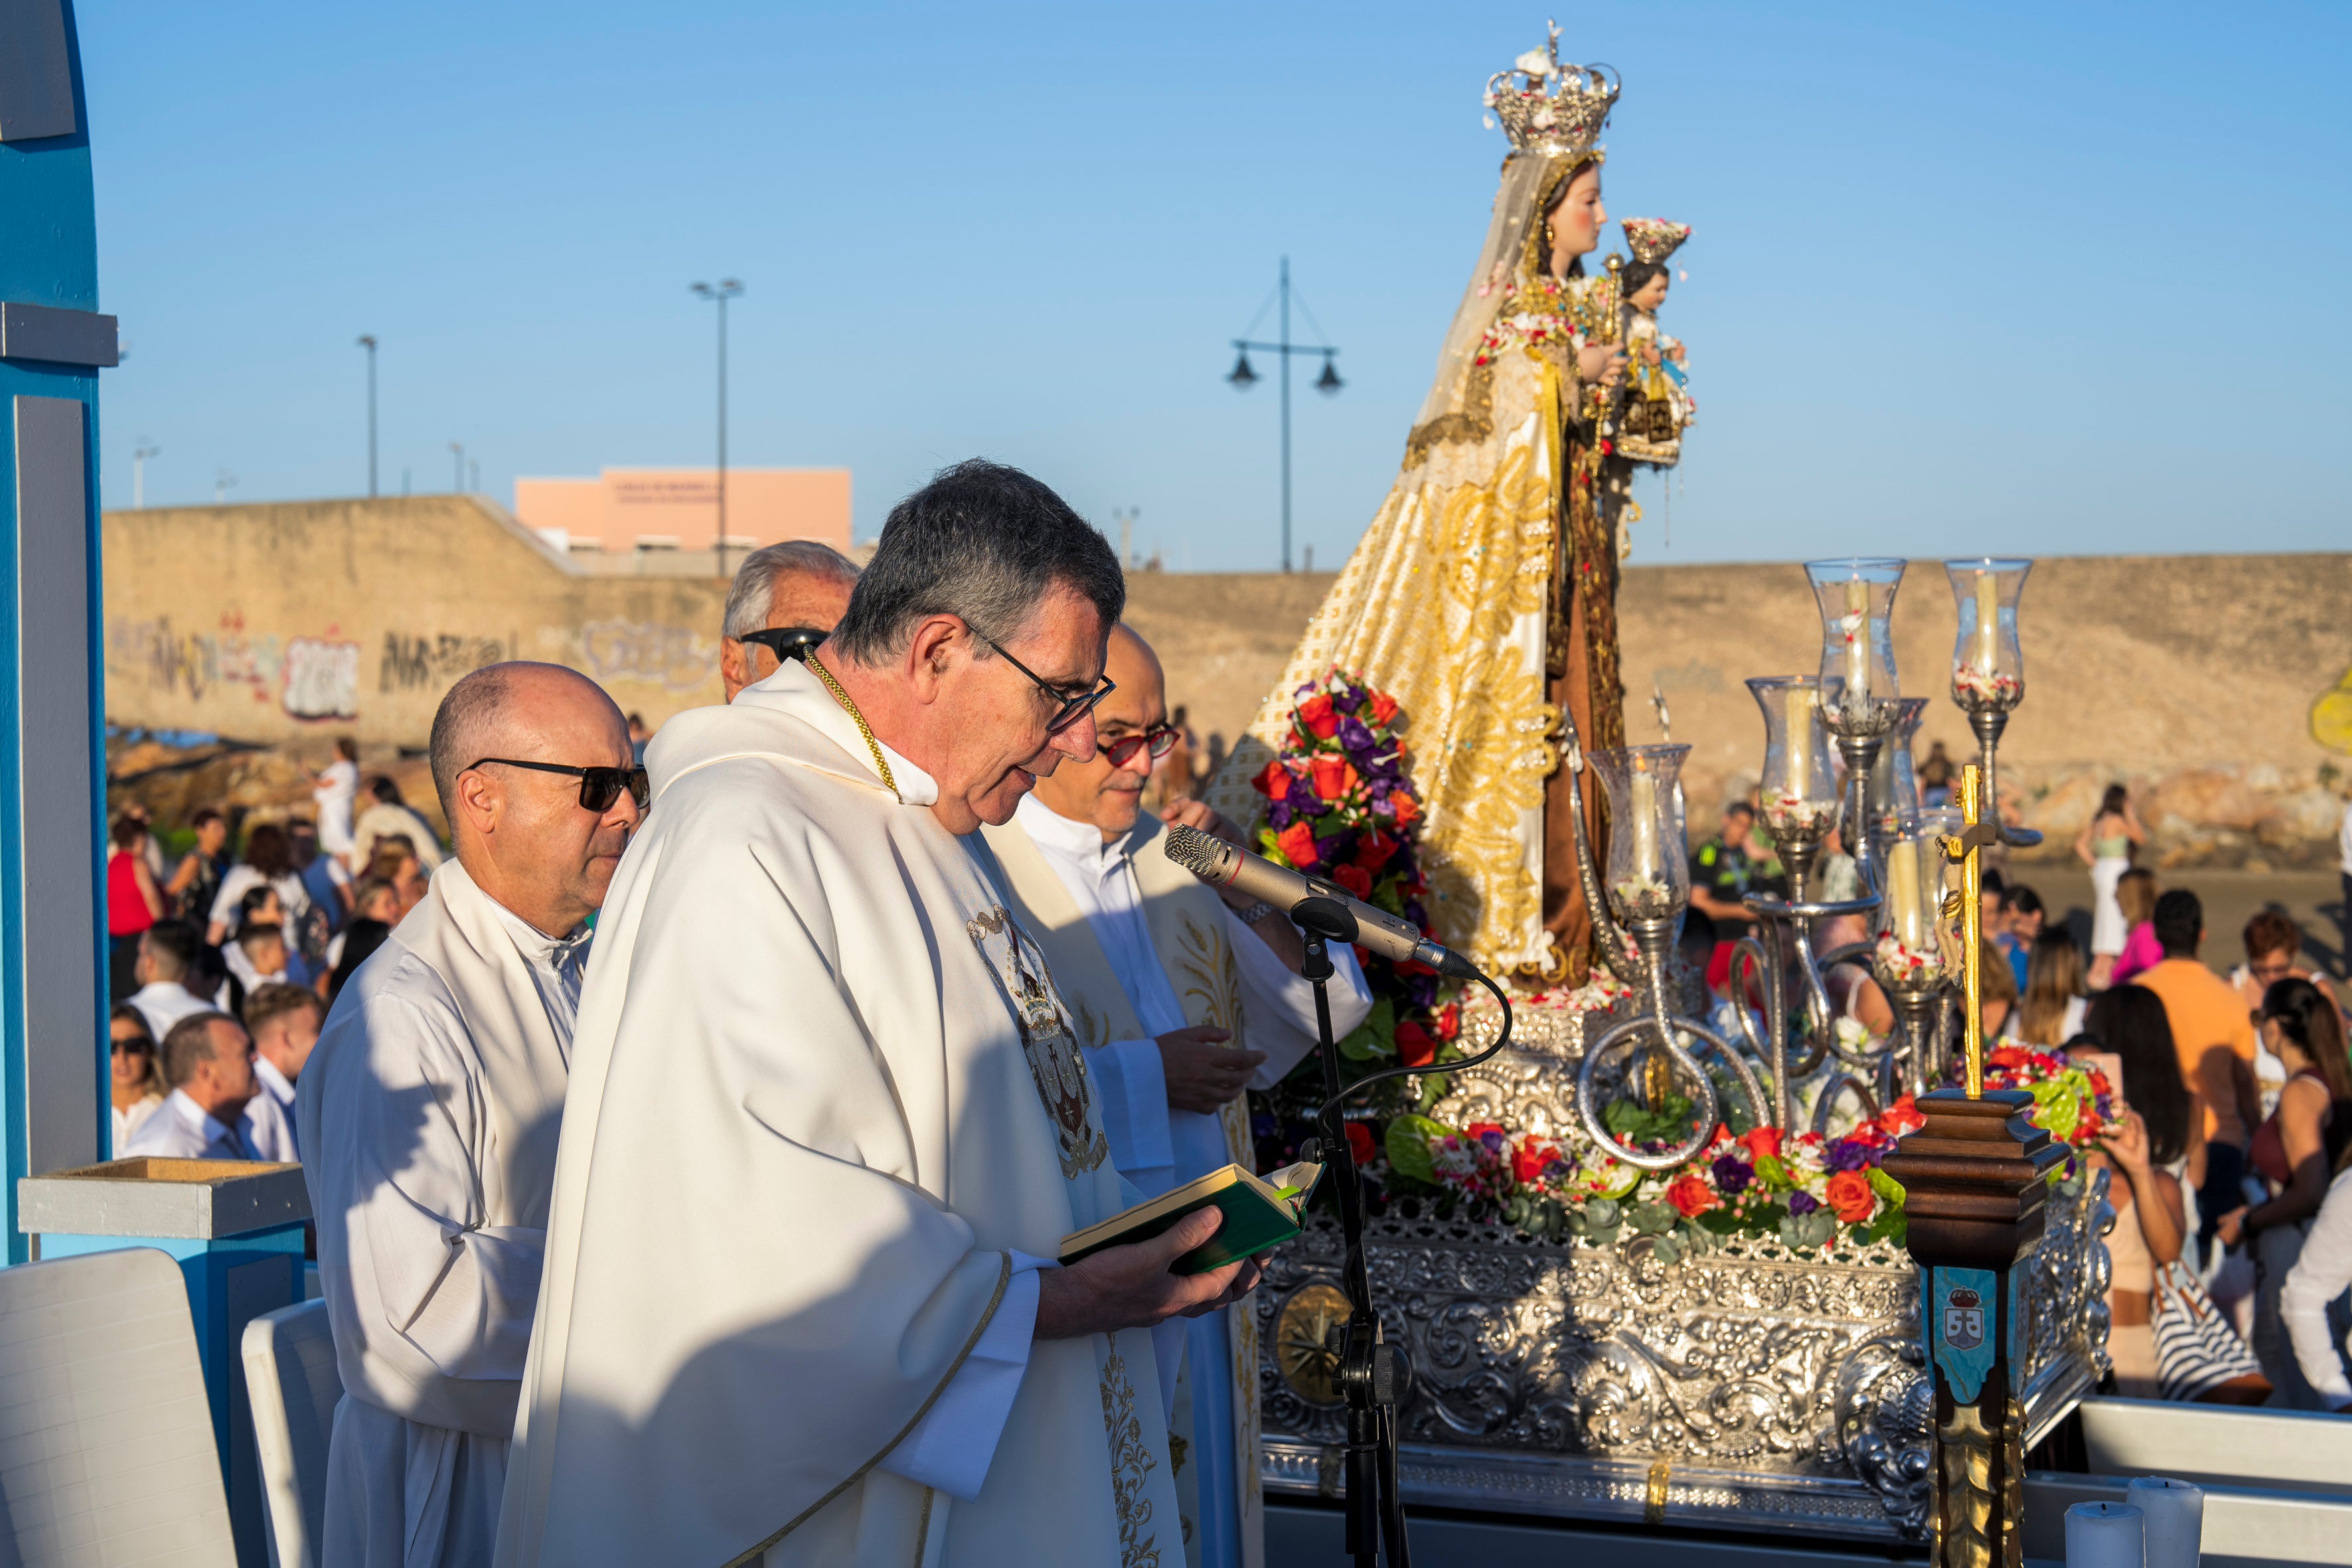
point(1220, 865)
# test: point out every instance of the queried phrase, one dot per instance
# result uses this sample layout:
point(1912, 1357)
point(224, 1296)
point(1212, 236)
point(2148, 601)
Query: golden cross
point(1966, 849)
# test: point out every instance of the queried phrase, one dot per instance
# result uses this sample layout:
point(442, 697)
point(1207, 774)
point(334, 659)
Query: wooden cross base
point(1974, 1180)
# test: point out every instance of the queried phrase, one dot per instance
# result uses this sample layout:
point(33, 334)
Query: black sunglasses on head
point(786, 642)
point(599, 787)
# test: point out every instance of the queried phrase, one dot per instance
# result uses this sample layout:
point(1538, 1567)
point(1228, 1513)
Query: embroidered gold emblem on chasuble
point(1047, 1038)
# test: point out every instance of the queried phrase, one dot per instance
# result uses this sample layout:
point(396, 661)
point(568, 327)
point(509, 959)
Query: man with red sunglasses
point(1188, 1004)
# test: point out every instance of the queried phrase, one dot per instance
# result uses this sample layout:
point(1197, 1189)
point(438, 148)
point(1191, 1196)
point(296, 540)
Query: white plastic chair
point(107, 1454)
point(292, 1384)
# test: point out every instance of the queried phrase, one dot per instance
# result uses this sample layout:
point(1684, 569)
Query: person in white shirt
point(335, 788)
point(284, 1023)
point(799, 585)
point(430, 1107)
point(1186, 996)
point(2321, 1275)
point(388, 812)
point(262, 956)
point(168, 955)
point(208, 1056)
point(268, 862)
point(137, 1077)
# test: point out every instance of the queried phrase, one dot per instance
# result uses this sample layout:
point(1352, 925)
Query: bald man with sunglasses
point(430, 1107)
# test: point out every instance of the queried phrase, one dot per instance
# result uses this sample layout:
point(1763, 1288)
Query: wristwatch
point(1255, 913)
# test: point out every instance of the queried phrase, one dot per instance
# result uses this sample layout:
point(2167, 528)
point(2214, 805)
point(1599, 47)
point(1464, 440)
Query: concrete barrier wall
point(2190, 677)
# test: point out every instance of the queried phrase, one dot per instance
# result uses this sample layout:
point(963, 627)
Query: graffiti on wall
point(413, 660)
point(672, 657)
point(310, 676)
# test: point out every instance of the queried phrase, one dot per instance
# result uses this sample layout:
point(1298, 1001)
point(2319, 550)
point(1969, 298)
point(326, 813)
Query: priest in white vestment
point(1185, 996)
point(829, 1121)
point(430, 1107)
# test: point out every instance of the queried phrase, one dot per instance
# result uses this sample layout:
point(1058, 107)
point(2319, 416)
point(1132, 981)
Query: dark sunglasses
point(599, 787)
point(1123, 751)
point(786, 642)
point(1071, 709)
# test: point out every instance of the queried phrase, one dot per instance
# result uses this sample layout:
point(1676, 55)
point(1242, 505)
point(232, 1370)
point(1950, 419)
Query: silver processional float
point(1645, 1262)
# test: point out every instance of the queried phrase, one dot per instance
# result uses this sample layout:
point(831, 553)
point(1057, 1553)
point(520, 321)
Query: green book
point(1260, 1212)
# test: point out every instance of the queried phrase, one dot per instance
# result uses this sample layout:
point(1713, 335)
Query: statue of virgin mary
point(1483, 597)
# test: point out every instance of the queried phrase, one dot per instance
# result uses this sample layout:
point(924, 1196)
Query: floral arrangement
point(1339, 806)
point(1974, 688)
point(2073, 1104)
point(1786, 812)
point(1895, 962)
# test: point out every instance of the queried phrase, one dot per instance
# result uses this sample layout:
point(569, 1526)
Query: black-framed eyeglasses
point(599, 787)
point(786, 642)
point(1072, 709)
point(1160, 740)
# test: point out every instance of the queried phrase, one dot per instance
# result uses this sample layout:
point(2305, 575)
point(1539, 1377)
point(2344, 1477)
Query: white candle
point(1987, 657)
point(2172, 1518)
point(1903, 895)
point(2104, 1535)
point(1800, 742)
point(1647, 864)
point(1858, 646)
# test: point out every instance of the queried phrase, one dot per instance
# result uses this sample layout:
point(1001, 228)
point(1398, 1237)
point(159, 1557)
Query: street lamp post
point(1243, 378)
point(726, 289)
point(457, 458)
point(367, 342)
point(139, 455)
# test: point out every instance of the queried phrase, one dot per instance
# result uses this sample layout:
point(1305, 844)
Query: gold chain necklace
point(857, 718)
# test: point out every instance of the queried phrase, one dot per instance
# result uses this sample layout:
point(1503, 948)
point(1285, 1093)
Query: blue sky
point(2050, 279)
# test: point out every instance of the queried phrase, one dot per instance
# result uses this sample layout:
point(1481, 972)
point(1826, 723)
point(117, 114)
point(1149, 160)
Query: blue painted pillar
point(52, 697)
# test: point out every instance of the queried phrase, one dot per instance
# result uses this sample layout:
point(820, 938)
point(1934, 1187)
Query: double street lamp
point(1244, 377)
point(726, 289)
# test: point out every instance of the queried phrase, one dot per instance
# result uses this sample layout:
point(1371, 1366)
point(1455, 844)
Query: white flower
point(1535, 63)
point(1852, 1033)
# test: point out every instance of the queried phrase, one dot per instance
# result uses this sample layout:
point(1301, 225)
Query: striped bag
point(2198, 1355)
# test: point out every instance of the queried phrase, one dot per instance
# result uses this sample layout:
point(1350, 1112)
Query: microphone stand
point(1373, 1373)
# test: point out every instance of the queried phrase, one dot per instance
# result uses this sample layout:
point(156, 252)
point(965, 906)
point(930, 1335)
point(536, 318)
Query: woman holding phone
point(2151, 1142)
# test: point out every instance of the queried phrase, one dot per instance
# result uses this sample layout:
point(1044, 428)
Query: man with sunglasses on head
point(1187, 997)
point(784, 599)
point(831, 1119)
point(429, 1108)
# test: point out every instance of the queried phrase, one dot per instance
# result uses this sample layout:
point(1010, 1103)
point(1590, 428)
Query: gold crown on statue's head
point(1653, 239)
point(1551, 108)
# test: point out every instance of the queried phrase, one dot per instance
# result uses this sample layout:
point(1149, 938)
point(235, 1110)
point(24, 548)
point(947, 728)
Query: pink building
point(677, 509)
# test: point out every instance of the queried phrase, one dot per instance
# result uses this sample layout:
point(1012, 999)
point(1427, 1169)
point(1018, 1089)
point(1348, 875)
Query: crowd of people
point(2231, 1154)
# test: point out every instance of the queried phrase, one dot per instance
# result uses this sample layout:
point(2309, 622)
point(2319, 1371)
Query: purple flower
point(1494, 1140)
point(1846, 1154)
point(1803, 1202)
point(1279, 814)
point(1356, 738)
point(1302, 798)
point(1732, 1175)
point(1340, 846)
point(1381, 804)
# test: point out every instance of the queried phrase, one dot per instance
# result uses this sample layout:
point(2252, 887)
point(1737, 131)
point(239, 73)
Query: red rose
point(1902, 1117)
point(1296, 843)
point(1317, 714)
point(1851, 1197)
point(1529, 1160)
point(1334, 777)
point(1273, 780)
point(1407, 808)
point(1355, 879)
point(1480, 1129)
point(1762, 1142)
point(1376, 850)
point(1414, 1046)
point(1692, 1196)
point(1383, 708)
point(1449, 1021)
point(2008, 1056)
point(1360, 1143)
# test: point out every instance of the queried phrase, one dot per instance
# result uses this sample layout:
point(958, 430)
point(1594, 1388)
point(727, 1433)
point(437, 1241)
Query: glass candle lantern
point(1800, 791)
point(1910, 950)
point(1857, 604)
point(1987, 669)
point(1893, 782)
point(1649, 855)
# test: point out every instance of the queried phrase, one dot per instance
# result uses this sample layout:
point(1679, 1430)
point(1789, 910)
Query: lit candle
point(2172, 1517)
point(1800, 716)
point(1903, 895)
point(1647, 864)
point(1987, 659)
point(2104, 1535)
point(1858, 646)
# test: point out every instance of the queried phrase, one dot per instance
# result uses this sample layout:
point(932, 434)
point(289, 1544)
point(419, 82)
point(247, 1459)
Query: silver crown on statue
point(1550, 109)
